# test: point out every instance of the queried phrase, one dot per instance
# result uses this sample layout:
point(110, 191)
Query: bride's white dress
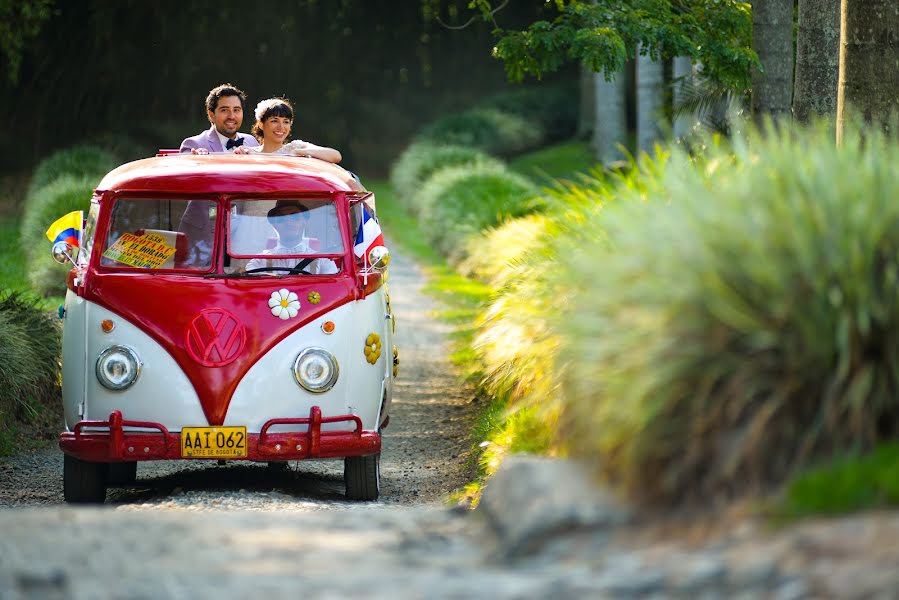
point(294, 148)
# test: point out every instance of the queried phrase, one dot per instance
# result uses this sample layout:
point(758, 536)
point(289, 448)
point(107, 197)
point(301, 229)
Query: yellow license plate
point(213, 442)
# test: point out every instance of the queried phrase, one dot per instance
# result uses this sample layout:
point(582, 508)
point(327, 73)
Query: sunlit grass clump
point(77, 161)
point(45, 205)
point(740, 321)
point(494, 255)
point(419, 161)
point(487, 129)
point(459, 202)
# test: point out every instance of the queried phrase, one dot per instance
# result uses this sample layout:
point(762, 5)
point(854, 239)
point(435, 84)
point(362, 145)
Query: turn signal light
point(107, 325)
point(328, 326)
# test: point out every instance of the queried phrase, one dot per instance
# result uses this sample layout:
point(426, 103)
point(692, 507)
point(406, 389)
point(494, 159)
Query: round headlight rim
point(131, 353)
point(335, 370)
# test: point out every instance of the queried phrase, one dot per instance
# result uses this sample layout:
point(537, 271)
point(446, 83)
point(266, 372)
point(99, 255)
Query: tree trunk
point(610, 126)
point(817, 60)
point(650, 95)
point(682, 72)
point(772, 40)
point(587, 114)
point(869, 61)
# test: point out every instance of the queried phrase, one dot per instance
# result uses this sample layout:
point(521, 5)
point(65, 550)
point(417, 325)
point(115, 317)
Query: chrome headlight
point(118, 367)
point(316, 370)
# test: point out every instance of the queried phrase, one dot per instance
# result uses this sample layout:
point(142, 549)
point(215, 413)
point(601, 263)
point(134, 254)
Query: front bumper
point(118, 445)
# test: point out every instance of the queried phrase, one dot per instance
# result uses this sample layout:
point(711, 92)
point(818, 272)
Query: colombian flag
point(67, 228)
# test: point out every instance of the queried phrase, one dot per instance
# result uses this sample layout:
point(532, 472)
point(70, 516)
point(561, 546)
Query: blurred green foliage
point(44, 206)
point(554, 107)
point(560, 161)
point(364, 75)
point(12, 267)
point(61, 183)
point(20, 20)
point(486, 129)
point(603, 34)
point(419, 161)
point(706, 325)
point(458, 202)
point(848, 484)
point(77, 161)
point(738, 320)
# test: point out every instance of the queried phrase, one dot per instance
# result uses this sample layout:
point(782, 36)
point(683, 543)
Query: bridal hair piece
point(265, 105)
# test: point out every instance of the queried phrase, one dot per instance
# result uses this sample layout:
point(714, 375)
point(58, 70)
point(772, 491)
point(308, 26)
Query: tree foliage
point(19, 21)
point(603, 34)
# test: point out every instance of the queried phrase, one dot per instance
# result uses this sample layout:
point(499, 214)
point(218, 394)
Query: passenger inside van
point(290, 219)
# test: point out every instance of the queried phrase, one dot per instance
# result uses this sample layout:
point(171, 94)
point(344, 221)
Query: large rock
point(531, 499)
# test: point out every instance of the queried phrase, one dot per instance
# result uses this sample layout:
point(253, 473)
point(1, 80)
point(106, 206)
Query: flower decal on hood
point(284, 304)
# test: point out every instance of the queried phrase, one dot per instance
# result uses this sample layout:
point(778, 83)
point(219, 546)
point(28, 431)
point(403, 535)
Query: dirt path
point(426, 445)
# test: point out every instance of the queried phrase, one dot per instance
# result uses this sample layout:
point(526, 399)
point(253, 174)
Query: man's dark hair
point(226, 89)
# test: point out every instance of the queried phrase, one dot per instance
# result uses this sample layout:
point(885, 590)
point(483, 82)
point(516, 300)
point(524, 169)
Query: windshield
point(275, 235)
point(264, 236)
point(160, 233)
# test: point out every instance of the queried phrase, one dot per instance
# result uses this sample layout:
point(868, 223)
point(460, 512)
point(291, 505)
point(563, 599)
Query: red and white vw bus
point(226, 307)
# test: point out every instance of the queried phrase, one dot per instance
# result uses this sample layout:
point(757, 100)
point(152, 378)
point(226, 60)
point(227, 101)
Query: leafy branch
point(603, 34)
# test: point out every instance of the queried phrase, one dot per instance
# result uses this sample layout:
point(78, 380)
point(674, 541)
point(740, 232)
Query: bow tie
point(234, 143)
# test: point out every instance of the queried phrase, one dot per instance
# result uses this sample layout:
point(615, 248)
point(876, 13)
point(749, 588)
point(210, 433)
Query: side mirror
point(62, 253)
point(379, 258)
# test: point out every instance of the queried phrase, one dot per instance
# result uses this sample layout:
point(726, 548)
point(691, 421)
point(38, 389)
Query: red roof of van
point(229, 173)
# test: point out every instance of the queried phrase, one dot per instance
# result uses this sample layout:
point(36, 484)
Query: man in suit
point(224, 107)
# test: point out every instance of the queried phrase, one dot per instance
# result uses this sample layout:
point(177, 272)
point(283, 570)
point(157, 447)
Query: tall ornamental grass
point(459, 202)
point(495, 255)
point(45, 205)
point(419, 161)
point(29, 363)
point(740, 321)
point(516, 342)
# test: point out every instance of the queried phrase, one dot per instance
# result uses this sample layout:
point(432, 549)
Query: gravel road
point(198, 530)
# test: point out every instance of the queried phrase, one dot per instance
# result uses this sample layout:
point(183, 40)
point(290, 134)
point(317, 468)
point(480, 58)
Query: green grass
point(562, 161)
point(848, 484)
point(12, 264)
point(13, 276)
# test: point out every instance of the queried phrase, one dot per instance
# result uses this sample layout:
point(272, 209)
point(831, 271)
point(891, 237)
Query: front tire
point(362, 476)
point(83, 481)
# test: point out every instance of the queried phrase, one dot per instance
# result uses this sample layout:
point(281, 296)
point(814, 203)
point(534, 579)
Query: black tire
point(123, 473)
point(83, 481)
point(362, 476)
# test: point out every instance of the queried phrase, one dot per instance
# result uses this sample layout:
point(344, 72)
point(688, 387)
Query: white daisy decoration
point(284, 304)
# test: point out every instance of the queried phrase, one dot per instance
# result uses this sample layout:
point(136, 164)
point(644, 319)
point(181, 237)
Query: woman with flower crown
point(274, 118)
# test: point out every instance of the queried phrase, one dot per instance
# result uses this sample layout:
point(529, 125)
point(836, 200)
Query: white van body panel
point(74, 366)
point(269, 389)
point(162, 393)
